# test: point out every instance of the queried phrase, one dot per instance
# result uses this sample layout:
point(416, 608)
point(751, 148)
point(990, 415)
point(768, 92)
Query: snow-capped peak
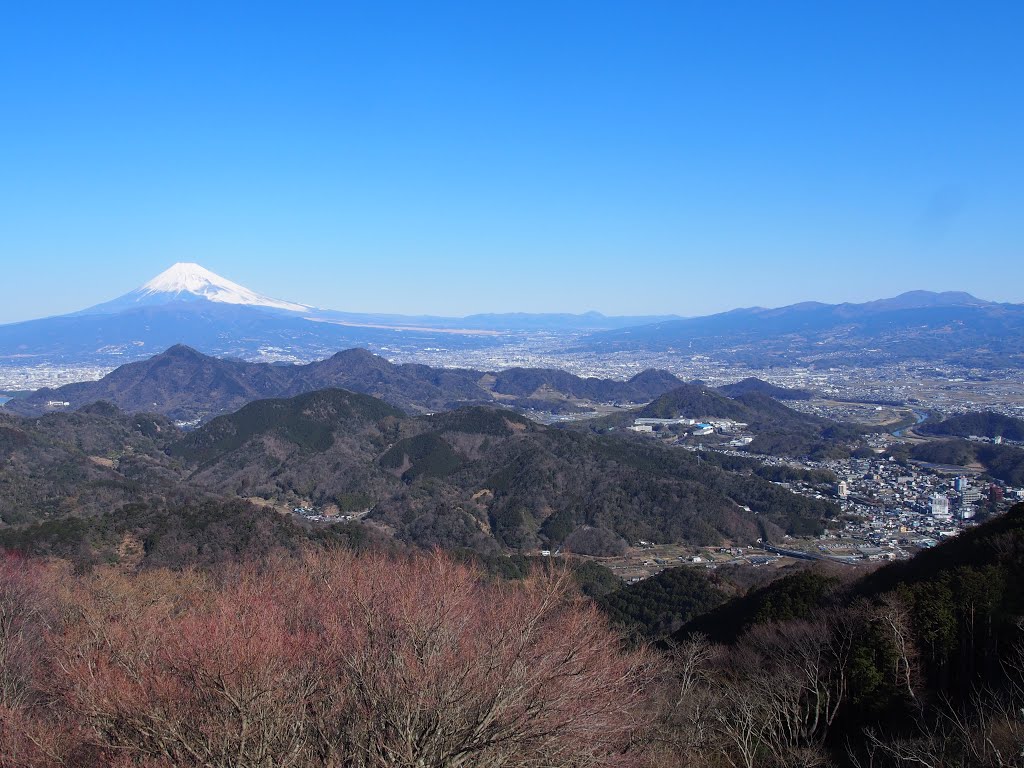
point(187, 277)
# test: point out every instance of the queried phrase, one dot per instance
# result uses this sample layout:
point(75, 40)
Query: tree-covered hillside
point(779, 429)
point(754, 385)
point(482, 478)
point(186, 385)
point(981, 424)
point(918, 662)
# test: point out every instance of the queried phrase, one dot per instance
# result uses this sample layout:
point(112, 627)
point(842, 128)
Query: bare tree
point(350, 662)
point(743, 724)
point(685, 733)
point(893, 616)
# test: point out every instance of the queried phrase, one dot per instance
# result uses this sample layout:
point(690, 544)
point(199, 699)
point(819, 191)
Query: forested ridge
point(779, 430)
point(1003, 462)
point(483, 478)
point(979, 423)
point(185, 384)
point(752, 384)
point(919, 662)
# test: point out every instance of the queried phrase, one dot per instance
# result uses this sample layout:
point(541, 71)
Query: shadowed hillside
point(483, 478)
point(186, 385)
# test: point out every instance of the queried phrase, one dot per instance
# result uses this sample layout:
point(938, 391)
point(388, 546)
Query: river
point(919, 415)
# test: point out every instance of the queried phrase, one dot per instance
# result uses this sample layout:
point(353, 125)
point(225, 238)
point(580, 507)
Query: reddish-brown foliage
point(329, 660)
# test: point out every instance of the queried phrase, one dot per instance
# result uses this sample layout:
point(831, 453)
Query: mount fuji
point(187, 281)
point(189, 304)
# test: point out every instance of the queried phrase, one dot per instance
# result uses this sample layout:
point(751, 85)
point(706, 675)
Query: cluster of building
point(27, 377)
point(869, 484)
point(696, 427)
point(997, 440)
point(892, 508)
point(889, 509)
point(317, 515)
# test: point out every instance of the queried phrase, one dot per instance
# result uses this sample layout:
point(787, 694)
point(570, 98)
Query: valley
point(515, 460)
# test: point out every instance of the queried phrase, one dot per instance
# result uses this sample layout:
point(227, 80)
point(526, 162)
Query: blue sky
point(450, 158)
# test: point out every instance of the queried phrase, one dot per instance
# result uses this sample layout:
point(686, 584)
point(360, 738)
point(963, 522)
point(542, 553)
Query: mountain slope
point(191, 282)
point(936, 327)
point(80, 463)
point(185, 384)
point(320, 447)
point(531, 382)
point(779, 429)
point(754, 385)
point(484, 478)
point(180, 383)
point(695, 401)
point(481, 477)
point(226, 329)
point(981, 424)
point(925, 635)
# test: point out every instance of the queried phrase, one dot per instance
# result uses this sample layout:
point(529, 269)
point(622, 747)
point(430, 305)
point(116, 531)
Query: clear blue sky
point(451, 158)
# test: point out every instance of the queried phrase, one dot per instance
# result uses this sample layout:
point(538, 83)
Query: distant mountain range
point(185, 385)
point(949, 327)
point(189, 304)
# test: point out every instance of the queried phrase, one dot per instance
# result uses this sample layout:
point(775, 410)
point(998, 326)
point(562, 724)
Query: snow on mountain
point(188, 281)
